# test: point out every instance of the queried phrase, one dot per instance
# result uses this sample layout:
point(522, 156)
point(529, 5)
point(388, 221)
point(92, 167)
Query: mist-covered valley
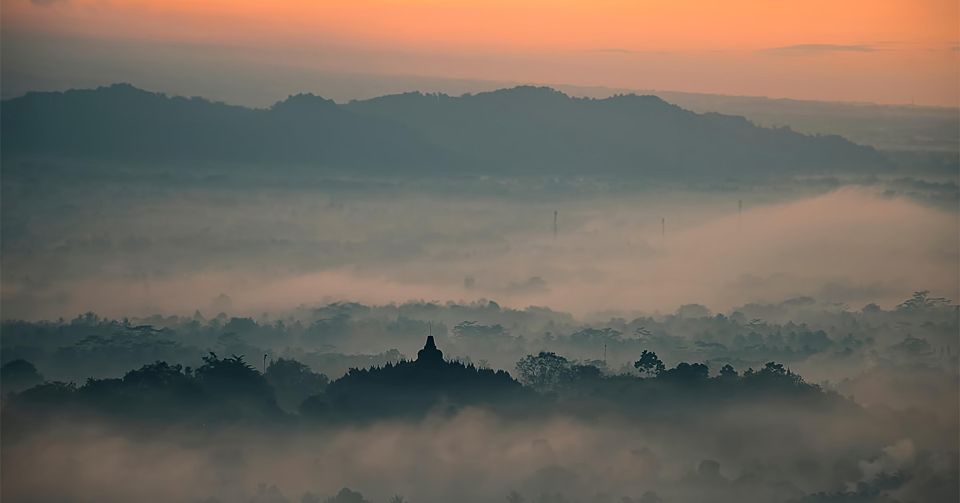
point(128, 243)
point(186, 326)
point(816, 277)
point(794, 401)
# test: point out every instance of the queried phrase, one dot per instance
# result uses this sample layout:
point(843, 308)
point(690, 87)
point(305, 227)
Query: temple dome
point(430, 353)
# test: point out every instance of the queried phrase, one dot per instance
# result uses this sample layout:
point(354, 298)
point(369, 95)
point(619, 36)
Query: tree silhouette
point(649, 364)
point(922, 300)
point(293, 382)
point(728, 372)
point(17, 375)
point(686, 372)
point(544, 372)
point(239, 389)
point(347, 496)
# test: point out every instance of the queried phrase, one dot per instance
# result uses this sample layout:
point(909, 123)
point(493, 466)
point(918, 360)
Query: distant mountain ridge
point(126, 123)
point(519, 131)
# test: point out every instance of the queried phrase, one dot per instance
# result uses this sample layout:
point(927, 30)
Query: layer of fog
point(764, 453)
point(123, 251)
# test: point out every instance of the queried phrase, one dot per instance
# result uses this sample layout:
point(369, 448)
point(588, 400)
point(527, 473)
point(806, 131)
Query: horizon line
point(561, 88)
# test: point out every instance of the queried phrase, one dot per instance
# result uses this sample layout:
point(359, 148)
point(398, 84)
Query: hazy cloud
point(821, 48)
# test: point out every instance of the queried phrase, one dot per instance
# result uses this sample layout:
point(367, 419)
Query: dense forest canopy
point(692, 379)
point(684, 381)
point(333, 338)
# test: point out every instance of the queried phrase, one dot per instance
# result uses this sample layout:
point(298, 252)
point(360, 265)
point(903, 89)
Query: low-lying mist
point(750, 452)
point(221, 337)
point(594, 423)
point(127, 249)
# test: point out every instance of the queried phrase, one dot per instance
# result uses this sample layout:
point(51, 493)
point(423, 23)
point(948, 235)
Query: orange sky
point(885, 51)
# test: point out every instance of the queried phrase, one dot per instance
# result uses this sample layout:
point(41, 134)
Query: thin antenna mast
point(555, 212)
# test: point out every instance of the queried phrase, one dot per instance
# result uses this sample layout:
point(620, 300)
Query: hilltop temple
point(414, 387)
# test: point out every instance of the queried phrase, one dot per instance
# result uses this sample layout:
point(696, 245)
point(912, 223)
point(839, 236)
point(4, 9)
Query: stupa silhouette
point(416, 387)
point(430, 355)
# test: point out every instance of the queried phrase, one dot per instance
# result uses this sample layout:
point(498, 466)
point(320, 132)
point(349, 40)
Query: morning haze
point(377, 261)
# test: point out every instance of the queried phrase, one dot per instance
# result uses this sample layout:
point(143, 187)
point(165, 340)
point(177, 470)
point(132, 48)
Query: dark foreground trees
point(229, 390)
point(18, 375)
point(221, 390)
point(293, 382)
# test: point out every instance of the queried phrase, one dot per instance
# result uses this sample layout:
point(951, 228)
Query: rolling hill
point(522, 131)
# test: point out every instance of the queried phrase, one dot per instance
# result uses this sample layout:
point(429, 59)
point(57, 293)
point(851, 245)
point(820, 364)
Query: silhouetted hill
point(126, 123)
point(519, 131)
point(538, 129)
point(412, 388)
